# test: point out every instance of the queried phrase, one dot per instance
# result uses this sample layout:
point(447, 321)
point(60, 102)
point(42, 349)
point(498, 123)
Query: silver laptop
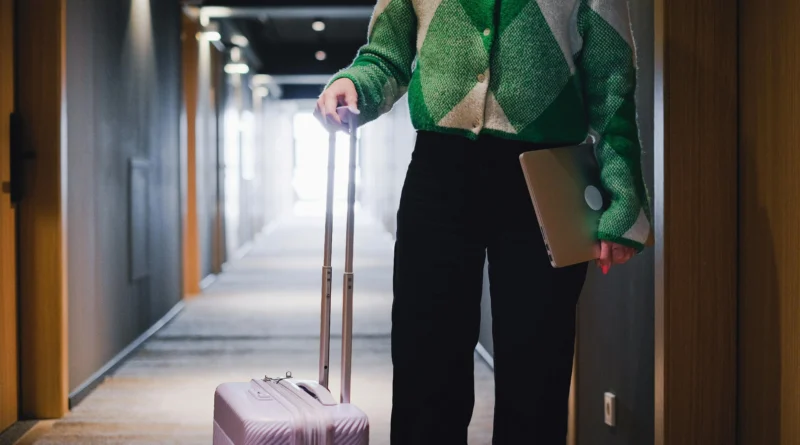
point(564, 184)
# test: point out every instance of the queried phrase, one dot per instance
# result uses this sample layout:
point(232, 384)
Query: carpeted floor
point(260, 317)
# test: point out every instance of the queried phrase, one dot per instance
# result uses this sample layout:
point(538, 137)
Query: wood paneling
point(8, 275)
point(695, 216)
point(42, 242)
point(191, 240)
point(769, 287)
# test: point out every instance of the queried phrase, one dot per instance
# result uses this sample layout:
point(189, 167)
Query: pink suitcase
point(288, 411)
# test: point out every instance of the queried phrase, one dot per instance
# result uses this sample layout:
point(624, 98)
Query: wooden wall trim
point(191, 240)
point(9, 381)
point(41, 102)
point(696, 221)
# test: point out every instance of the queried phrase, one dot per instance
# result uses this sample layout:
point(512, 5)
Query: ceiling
point(283, 43)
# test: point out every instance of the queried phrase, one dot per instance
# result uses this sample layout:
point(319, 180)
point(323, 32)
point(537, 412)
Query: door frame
point(9, 358)
point(191, 237)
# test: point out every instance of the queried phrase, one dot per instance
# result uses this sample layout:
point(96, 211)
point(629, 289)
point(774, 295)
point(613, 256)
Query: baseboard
point(13, 434)
point(206, 282)
point(92, 382)
point(485, 355)
point(245, 248)
point(38, 430)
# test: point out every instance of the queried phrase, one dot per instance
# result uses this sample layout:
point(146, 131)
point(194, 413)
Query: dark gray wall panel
point(206, 152)
point(123, 94)
point(615, 321)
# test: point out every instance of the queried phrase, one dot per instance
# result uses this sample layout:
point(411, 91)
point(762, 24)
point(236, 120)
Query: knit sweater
point(544, 71)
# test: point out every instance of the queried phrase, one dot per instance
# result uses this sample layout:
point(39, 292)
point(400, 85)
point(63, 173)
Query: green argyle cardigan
point(547, 71)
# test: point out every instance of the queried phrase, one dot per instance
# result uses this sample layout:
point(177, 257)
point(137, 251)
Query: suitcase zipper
point(324, 421)
point(298, 416)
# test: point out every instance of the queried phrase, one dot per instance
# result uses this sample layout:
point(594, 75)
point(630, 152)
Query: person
point(486, 81)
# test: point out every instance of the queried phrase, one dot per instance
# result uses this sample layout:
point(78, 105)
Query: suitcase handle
point(349, 115)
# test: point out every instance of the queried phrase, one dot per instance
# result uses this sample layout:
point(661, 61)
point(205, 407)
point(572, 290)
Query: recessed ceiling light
point(240, 40)
point(320, 55)
point(237, 68)
point(261, 79)
point(211, 36)
point(236, 54)
point(318, 26)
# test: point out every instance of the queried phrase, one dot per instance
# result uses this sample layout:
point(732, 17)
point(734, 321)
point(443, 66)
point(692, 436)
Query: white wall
point(386, 146)
point(277, 145)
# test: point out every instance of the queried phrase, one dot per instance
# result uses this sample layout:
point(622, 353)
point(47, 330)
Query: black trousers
point(463, 200)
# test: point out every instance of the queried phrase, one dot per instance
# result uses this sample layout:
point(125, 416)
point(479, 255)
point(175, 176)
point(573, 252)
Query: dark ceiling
point(282, 42)
point(288, 46)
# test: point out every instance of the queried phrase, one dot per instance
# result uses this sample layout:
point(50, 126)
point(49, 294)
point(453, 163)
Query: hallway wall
point(242, 149)
point(207, 154)
point(275, 136)
point(123, 99)
point(386, 146)
point(616, 312)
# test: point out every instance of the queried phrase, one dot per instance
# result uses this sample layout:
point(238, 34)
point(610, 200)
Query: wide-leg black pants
point(462, 200)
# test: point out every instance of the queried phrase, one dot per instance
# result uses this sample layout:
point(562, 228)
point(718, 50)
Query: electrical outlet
point(610, 409)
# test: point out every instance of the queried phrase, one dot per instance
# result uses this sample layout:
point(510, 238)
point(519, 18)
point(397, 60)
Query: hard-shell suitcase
point(288, 411)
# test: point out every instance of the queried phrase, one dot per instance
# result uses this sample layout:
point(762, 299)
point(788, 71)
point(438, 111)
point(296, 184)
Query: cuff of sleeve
point(603, 236)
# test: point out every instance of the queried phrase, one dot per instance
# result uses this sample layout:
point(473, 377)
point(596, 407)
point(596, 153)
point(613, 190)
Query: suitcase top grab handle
point(350, 117)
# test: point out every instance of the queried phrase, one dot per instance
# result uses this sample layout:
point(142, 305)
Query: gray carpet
point(260, 317)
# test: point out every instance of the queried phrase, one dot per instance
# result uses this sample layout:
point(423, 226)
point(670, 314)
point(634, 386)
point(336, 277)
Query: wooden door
point(40, 103)
point(9, 381)
point(695, 211)
point(769, 232)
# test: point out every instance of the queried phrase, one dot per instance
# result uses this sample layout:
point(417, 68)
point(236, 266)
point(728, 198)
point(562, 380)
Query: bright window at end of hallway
point(311, 160)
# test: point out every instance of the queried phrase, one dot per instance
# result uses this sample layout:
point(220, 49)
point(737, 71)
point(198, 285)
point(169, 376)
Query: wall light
point(320, 55)
point(237, 68)
point(240, 40)
point(318, 26)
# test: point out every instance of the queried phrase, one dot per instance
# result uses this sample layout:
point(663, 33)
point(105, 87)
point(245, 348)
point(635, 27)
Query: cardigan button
point(486, 32)
point(481, 77)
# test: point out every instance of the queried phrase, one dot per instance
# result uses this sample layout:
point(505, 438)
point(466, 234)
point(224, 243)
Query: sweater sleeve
point(608, 68)
point(381, 71)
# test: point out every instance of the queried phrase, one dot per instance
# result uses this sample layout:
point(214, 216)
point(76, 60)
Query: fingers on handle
point(329, 104)
point(351, 98)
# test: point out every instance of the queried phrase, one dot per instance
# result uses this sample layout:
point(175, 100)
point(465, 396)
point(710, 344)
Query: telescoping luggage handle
point(350, 116)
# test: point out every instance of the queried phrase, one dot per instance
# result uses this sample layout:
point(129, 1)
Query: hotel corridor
point(260, 317)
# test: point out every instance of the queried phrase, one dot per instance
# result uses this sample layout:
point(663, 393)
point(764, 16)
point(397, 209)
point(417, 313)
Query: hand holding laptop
point(609, 253)
point(567, 196)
